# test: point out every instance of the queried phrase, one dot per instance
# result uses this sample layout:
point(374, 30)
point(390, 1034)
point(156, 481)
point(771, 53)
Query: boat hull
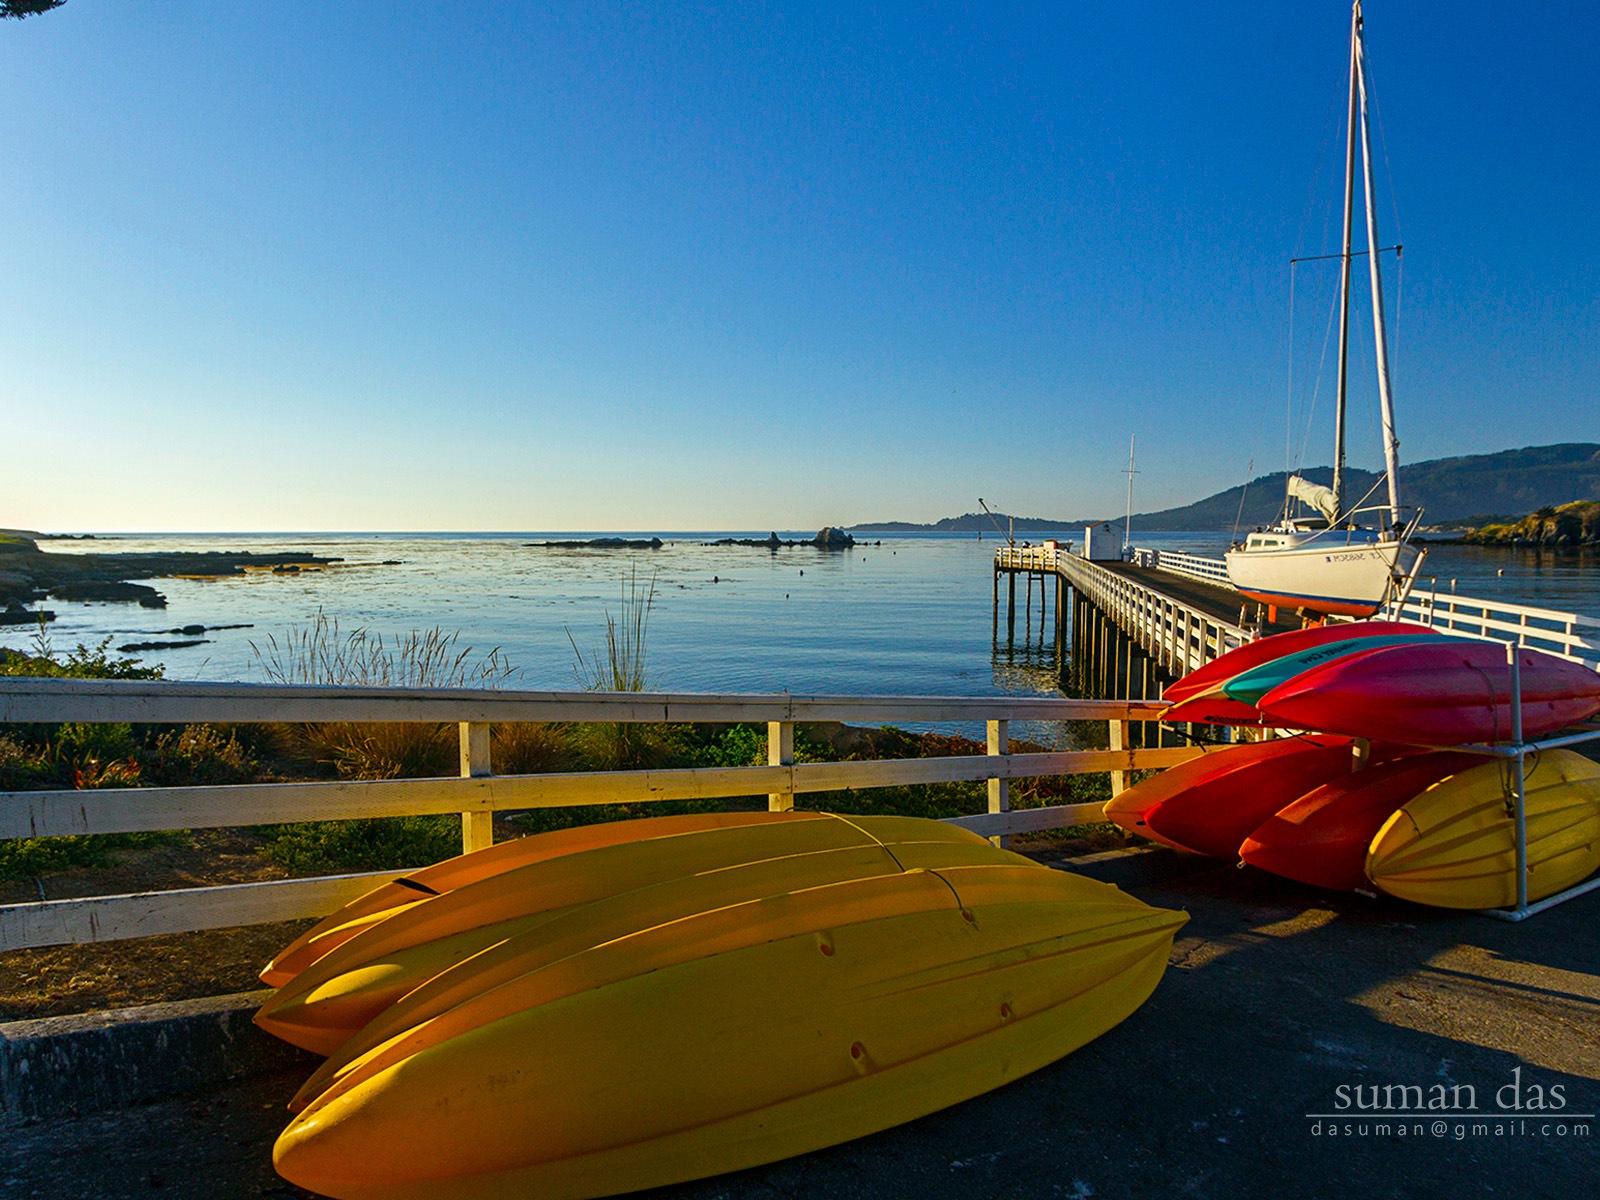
point(1219, 670)
point(1454, 846)
point(1353, 579)
point(1132, 807)
point(1216, 818)
point(738, 1037)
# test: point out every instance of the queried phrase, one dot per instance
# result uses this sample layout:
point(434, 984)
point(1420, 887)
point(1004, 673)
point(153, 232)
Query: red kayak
point(1218, 671)
point(1216, 816)
point(1446, 694)
point(1322, 838)
point(1129, 807)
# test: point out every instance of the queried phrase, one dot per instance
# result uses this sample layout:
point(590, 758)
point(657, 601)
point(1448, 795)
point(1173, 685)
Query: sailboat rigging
point(1331, 563)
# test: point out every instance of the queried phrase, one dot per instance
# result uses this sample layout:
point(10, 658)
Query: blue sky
point(659, 266)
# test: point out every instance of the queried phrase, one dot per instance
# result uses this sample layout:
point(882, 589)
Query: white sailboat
point(1342, 560)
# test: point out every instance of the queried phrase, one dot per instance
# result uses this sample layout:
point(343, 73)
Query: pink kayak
point(1447, 694)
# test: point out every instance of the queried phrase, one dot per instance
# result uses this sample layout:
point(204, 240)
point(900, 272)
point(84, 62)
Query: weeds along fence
point(478, 793)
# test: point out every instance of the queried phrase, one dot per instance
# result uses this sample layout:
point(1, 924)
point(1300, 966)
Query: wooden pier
point(1134, 626)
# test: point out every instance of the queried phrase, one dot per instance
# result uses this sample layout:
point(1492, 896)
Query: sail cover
point(1314, 494)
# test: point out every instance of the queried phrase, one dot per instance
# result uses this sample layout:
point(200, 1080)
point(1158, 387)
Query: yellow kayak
point(578, 928)
point(338, 927)
point(1454, 846)
point(329, 1000)
point(734, 1037)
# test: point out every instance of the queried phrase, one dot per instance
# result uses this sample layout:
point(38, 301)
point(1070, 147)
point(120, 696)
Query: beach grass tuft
point(621, 666)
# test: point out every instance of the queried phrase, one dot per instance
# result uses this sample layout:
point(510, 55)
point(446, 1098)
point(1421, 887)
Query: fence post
point(1000, 789)
point(780, 753)
point(477, 828)
point(1117, 738)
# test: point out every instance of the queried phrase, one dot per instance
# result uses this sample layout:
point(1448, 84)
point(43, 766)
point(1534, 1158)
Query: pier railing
point(1571, 635)
point(1178, 636)
point(1162, 629)
point(1174, 562)
point(478, 793)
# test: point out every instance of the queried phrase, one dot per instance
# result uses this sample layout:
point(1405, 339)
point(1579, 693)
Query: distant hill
point(972, 523)
point(1451, 490)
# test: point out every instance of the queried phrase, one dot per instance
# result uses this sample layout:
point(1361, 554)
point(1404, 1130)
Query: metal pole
point(1519, 777)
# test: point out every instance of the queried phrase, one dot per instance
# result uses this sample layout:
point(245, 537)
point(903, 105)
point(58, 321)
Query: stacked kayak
point(600, 1011)
point(1368, 791)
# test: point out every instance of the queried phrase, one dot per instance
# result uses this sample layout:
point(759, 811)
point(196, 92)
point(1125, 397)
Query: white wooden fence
point(478, 793)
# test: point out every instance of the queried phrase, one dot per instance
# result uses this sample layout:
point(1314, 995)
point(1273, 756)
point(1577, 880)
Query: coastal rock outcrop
point(832, 538)
point(1567, 525)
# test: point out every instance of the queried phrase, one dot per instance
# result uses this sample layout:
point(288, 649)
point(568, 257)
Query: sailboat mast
point(1344, 269)
point(1391, 444)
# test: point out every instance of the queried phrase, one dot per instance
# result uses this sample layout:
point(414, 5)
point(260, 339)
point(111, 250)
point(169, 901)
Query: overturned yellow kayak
point(538, 944)
point(1454, 846)
point(330, 999)
point(734, 1037)
point(464, 869)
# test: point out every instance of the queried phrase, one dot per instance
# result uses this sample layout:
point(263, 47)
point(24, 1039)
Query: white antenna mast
point(1127, 525)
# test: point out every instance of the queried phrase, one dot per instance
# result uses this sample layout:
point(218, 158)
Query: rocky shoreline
point(29, 575)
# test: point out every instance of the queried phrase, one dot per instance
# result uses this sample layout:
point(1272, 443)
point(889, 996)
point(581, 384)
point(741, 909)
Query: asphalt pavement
point(1283, 1011)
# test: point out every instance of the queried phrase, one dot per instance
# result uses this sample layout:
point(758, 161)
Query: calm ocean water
point(909, 613)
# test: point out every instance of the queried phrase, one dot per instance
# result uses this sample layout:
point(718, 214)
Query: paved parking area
point(1279, 1002)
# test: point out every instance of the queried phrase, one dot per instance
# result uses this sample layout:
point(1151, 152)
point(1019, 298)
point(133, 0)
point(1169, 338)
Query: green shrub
point(29, 858)
point(377, 844)
point(529, 747)
point(83, 662)
point(197, 756)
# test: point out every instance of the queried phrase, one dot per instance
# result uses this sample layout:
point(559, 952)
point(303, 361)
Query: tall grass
point(321, 654)
point(620, 667)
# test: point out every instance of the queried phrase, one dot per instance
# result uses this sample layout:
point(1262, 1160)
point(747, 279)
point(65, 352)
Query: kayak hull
point(1454, 846)
point(1322, 838)
point(323, 1005)
point(737, 1037)
point(353, 918)
point(1447, 694)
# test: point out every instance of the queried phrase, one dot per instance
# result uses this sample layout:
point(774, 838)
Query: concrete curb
point(60, 1066)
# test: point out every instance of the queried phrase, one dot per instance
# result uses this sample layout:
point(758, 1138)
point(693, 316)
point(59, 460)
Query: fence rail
point(477, 794)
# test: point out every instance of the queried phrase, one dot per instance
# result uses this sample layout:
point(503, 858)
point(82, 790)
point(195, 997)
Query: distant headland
point(1453, 491)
